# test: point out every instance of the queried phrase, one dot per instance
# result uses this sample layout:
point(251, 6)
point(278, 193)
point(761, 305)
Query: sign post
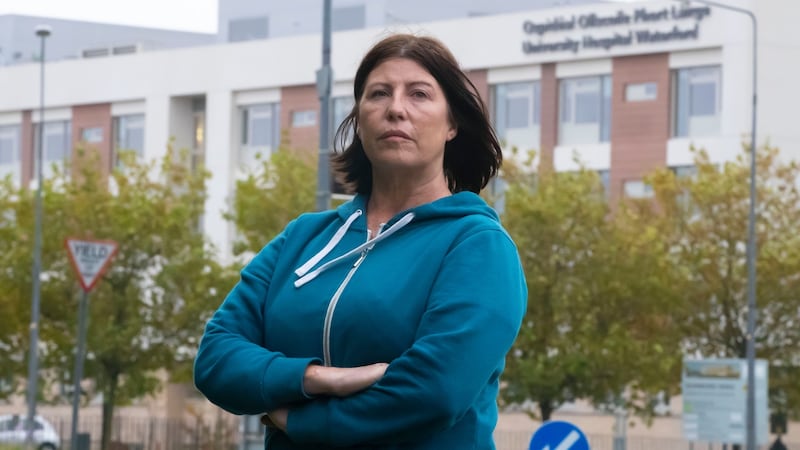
point(89, 258)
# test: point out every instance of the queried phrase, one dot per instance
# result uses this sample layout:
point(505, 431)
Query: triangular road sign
point(90, 259)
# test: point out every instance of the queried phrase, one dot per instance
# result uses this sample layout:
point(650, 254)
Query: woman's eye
point(419, 94)
point(378, 93)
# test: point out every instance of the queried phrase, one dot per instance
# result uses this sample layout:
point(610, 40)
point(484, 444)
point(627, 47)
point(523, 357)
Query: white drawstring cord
point(369, 244)
point(329, 246)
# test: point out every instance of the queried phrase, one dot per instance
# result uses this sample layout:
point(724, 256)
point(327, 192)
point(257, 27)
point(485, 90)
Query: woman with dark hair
point(382, 324)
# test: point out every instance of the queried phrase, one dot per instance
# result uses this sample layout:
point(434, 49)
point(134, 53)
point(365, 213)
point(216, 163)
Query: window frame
point(568, 109)
point(120, 133)
point(502, 96)
point(682, 102)
point(248, 151)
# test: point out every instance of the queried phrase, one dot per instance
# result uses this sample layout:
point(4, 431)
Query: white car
point(13, 432)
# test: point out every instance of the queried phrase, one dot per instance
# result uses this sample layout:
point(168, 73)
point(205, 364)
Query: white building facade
point(625, 87)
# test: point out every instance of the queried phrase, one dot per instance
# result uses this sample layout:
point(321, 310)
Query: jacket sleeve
point(232, 368)
point(472, 318)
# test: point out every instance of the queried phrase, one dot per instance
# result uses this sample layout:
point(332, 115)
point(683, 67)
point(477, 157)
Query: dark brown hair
point(471, 159)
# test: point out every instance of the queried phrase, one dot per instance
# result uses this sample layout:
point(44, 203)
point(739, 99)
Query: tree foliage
point(269, 197)
point(597, 323)
point(147, 312)
point(15, 286)
point(704, 217)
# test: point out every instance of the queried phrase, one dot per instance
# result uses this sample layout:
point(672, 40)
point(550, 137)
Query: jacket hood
point(351, 213)
point(460, 204)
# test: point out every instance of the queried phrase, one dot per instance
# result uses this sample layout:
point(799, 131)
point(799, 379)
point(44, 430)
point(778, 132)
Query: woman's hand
point(276, 419)
point(336, 381)
point(341, 381)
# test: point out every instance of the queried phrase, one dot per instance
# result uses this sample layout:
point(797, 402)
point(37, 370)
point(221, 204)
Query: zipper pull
point(360, 258)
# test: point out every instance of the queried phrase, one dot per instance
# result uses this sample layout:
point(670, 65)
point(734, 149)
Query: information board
point(715, 400)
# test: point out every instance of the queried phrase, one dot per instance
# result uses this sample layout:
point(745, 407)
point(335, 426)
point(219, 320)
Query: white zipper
point(326, 330)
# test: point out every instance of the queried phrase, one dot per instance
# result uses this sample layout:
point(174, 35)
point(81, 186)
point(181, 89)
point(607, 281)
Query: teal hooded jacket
point(439, 294)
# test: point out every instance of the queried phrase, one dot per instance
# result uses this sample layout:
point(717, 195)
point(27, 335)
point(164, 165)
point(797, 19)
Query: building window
point(517, 114)
point(10, 152)
point(128, 135)
point(696, 102)
point(342, 106)
point(307, 118)
point(605, 179)
point(348, 18)
point(56, 148)
point(637, 189)
point(260, 132)
point(641, 92)
point(92, 135)
point(585, 106)
point(198, 140)
point(688, 171)
point(248, 29)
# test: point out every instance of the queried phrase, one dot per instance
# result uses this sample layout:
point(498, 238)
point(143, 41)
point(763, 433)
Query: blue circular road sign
point(558, 435)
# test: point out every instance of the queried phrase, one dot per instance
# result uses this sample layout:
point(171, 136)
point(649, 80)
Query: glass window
point(640, 92)
point(198, 140)
point(637, 189)
point(342, 106)
point(260, 132)
point(517, 114)
point(9, 146)
point(248, 29)
point(306, 118)
point(696, 101)
point(689, 171)
point(57, 145)
point(92, 134)
point(129, 134)
point(348, 18)
point(605, 179)
point(585, 105)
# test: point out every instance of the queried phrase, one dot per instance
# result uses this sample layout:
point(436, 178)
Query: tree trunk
point(546, 409)
point(109, 398)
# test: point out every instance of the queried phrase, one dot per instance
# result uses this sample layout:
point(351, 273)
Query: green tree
point(597, 323)
point(147, 312)
point(705, 219)
point(14, 292)
point(268, 198)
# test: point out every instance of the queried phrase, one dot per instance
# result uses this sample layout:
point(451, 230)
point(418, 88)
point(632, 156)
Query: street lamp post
point(42, 31)
point(324, 81)
point(751, 235)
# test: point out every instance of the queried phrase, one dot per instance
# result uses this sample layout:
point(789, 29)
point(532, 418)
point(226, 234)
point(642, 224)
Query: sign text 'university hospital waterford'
point(645, 26)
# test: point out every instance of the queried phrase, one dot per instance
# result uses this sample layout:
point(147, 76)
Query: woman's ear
point(452, 133)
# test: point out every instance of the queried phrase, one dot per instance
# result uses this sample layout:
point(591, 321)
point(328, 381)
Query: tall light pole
point(324, 81)
point(42, 31)
point(751, 236)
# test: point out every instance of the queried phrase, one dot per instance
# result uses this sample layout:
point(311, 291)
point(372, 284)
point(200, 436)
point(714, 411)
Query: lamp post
point(42, 31)
point(324, 81)
point(751, 233)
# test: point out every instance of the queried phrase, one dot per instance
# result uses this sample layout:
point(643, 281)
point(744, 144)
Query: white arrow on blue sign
point(558, 435)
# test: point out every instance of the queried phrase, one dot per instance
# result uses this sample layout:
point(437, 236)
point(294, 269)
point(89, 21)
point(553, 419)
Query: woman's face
point(404, 119)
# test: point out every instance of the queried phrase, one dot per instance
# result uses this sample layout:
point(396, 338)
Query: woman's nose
point(397, 107)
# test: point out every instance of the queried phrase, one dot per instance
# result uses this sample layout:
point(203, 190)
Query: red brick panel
point(549, 115)
point(639, 129)
point(92, 116)
point(26, 143)
point(480, 78)
point(300, 98)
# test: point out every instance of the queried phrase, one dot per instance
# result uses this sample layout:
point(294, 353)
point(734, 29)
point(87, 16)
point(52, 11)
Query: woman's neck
point(386, 200)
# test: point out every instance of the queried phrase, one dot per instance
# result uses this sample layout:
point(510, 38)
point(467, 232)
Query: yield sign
point(90, 259)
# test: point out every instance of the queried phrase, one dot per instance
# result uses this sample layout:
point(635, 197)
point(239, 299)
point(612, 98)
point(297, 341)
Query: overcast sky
point(185, 15)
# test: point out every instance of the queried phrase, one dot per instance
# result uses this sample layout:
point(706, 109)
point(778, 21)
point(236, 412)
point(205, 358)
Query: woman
point(383, 324)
